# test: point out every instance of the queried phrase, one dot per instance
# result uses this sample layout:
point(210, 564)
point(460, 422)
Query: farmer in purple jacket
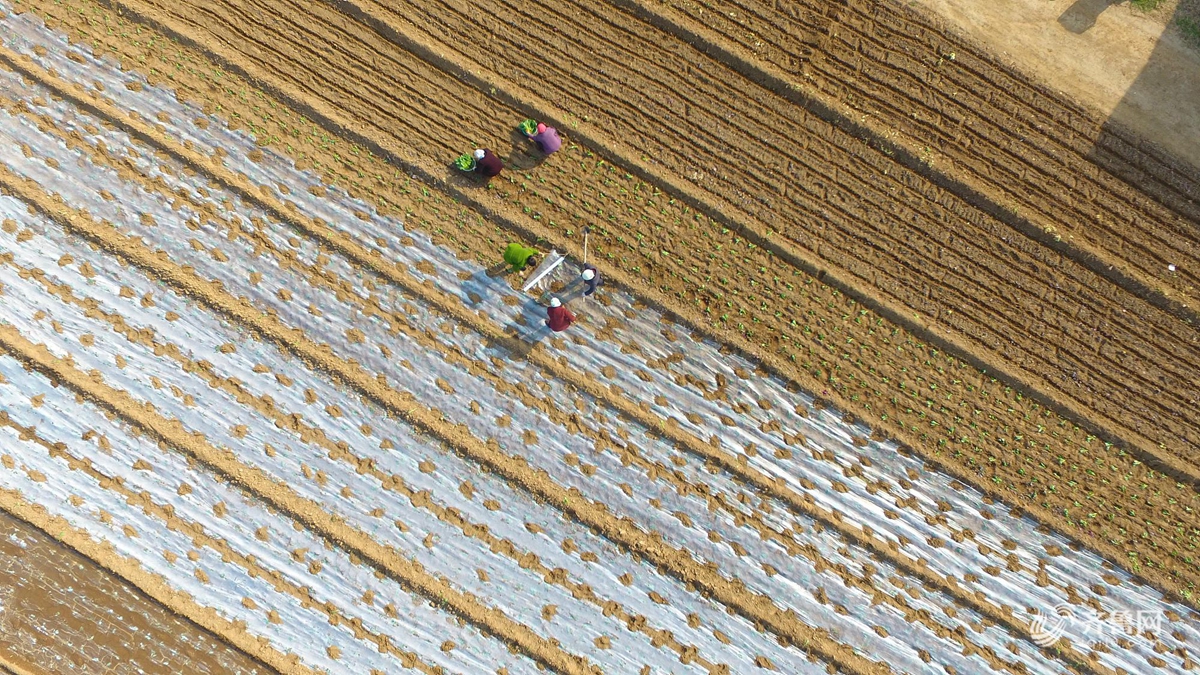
point(546, 138)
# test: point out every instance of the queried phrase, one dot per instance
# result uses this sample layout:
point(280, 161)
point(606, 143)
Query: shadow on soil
point(1081, 16)
point(524, 154)
point(1170, 179)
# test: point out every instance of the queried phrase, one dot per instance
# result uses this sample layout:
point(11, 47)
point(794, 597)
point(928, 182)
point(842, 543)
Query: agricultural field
point(868, 386)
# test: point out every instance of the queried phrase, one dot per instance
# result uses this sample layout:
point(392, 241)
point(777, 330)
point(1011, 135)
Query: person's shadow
point(1082, 15)
point(524, 154)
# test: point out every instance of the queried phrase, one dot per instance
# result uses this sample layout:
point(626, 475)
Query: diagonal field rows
point(995, 546)
point(338, 311)
point(360, 493)
point(895, 65)
point(1117, 514)
point(1000, 413)
point(864, 214)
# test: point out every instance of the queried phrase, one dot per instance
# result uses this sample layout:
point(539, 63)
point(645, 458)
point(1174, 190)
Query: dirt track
point(92, 616)
point(874, 222)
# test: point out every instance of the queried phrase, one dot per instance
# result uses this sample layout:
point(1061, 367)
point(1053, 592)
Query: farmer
point(487, 163)
point(518, 256)
point(546, 138)
point(559, 317)
point(591, 278)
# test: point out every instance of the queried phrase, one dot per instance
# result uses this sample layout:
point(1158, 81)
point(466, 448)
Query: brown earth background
point(870, 206)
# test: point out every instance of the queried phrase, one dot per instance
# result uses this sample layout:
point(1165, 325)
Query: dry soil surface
point(1138, 68)
point(874, 208)
point(61, 613)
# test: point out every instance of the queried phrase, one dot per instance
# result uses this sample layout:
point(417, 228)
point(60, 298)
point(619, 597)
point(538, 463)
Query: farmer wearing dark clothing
point(518, 256)
point(487, 163)
point(560, 318)
point(546, 138)
point(591, 278)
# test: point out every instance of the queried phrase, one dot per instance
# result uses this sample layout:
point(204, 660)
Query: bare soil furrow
point(61, 610)
point(153, 585)
point(956, 79)
point(1062, 128)
point(831, 300)
point(1022, 173)
point(1124, 155)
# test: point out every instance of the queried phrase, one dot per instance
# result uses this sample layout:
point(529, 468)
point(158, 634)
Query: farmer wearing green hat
point(518, 256)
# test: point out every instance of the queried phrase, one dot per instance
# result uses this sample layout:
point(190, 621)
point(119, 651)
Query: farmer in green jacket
point(518, 256)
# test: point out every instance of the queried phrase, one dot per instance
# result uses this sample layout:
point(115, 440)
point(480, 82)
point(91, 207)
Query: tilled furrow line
point(843, 76)
point(1022, 175)
point(868, 260)
point(324, 277)
point(730, 459)
point(649, 292)
point(1052, 303)
point(243, 28)
point(1100, 270)
point(133, 492)
point(761, 608)
point(1034, 104)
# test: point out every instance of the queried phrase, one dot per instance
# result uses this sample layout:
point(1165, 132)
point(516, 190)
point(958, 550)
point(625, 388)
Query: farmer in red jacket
point(560, 318)
point(487, 164)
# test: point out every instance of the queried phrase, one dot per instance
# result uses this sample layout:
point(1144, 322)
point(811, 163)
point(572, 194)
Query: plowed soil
point(871, 208)
point(61, 613)
point(960, 299)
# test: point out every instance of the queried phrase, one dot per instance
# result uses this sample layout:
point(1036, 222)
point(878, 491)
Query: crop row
point(857, 384)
